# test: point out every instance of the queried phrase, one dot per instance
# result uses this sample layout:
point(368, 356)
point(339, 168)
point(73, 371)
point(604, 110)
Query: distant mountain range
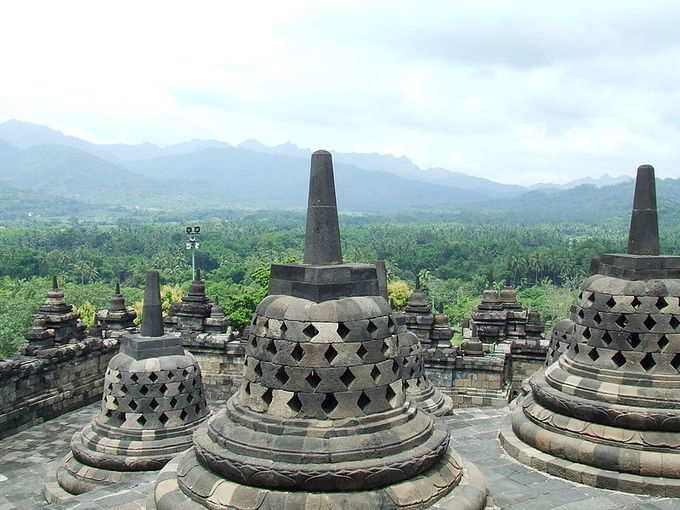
point(213, 174)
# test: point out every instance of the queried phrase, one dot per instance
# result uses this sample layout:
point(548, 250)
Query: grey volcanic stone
point(321, 419)
point(606, 412)
point(322, 236)
point(152, 319)
point(643, 238)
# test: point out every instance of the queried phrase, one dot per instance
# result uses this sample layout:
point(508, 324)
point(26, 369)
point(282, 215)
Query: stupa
point(153, 400)
point(607, 412)
point(117, 317)
point(419, 316)
point(190, 313)
point(55, 323)
point(321, 419)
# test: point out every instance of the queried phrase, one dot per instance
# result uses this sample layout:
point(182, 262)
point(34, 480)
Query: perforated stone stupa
point(607, 411)
point(153, 400)
point(321, 419)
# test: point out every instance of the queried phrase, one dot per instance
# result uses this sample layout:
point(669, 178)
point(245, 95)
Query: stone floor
point(25, 459)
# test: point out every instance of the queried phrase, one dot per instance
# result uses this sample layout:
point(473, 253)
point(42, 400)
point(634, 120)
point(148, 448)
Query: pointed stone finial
point(197, 276)
point(217, 300)
point(417, 282)
point(152, 320)
point(322, 236)
point(55, 284)
point(117, 288)
point(643, 238)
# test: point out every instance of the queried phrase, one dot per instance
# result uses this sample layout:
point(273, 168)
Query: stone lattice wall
point(57, 380)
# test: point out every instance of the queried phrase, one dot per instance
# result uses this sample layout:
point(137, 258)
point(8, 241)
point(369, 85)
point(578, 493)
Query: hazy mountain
point(599, 182)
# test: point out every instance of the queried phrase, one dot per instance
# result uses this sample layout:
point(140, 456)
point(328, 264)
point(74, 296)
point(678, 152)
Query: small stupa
point(321, 419)
point(606, 411)
point(55, 323)
point(117, 317)
point(153, 401)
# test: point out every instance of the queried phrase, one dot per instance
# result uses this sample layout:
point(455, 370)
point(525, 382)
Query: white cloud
point(521, 92)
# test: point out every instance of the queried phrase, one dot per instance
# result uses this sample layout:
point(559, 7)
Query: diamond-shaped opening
point(347, 377)
point(123, 389)
point(271, 348)
point(580, 295)
point(372, 328)
point(586, 333)
point(591, 297)
point(297, 353)
point(294, 403)
point(183, 415)
point(593, 354)
point(649, 322)
point(406, 385)
point(266, 324)
point(313, 379)
point(246, 389)
point(647, 362)
point(675, 362)
point(254, 321)
point(343, 330)
point(134, 377)
point(173, 402)
point(141, 420)
point(170, 375)
point(194, 381)
point(163, 418)
point(330, 354)
point(395, 366)
point(281, 375)
point(385, 348)
point(110, 387)
point(181, 387)
point(185, 373)
point(310, 331)
point(329, 403)
point(267, 396)
point(108, 413)
point(611, 302)
point(163, 389)
point(118, 376)
point(190, 398)
point(115, 401)
point(362, 351)
point(283, 328)
point(258, 369)
point(390, 322)
point(197, 408)
point(363, 401)
point(621, 321)
point(635, 302)
point(153, 404)
point(619, 359)
point(144, 389)
point(122, 417)
point(674, 322)
point(663, 342)
point(606, 337)
point(661, 303)
point(153, 377)
point(581, 314)
point(576, 348)
point(375, 373)
point(253, 342)
point(634, 340)
point(597, 318)
point(133, 405)
point(389, 393)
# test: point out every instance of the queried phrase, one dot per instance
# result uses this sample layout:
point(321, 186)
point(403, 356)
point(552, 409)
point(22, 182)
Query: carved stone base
point(452, 483)
point(428, 398)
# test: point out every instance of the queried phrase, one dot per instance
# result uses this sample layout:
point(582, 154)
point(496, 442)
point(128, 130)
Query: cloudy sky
point(516, 91)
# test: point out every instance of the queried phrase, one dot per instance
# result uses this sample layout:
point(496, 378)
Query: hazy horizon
point(520, 94)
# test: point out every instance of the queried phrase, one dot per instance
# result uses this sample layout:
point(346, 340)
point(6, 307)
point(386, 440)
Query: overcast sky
point(514, 91)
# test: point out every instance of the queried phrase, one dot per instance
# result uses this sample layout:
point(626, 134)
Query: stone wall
point(54, 381)
point(471, 381)
point(221, 360)
point(525, 360)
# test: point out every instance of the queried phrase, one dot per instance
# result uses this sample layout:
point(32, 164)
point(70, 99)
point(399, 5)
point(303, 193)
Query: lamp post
point(193, 244)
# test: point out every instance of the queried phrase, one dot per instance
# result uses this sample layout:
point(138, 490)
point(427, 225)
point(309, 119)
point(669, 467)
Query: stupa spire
point(117, 288)
point(55, 284)
point(152, 320)
point(322, 236)
point(643, 238)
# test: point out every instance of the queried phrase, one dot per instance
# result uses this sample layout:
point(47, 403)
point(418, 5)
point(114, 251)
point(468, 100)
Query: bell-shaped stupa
point(321, 419)
point(606, 412)
point(153, 400)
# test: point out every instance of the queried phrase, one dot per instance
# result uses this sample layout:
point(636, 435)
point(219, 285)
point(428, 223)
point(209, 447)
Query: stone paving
point(25, 459)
